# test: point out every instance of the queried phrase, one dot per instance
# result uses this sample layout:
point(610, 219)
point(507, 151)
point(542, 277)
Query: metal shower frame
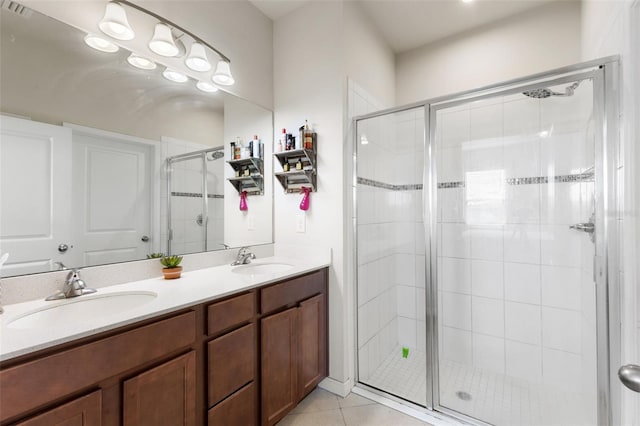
point(604, 73)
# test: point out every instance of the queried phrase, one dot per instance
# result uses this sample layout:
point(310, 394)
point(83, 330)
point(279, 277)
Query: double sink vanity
point(225, 345)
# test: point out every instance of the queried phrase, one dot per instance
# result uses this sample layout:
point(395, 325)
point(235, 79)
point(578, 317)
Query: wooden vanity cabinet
point(293, 343)
point(83, 411)
point(244, 360)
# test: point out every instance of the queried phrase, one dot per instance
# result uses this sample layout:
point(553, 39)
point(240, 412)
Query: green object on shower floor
point(405, 352)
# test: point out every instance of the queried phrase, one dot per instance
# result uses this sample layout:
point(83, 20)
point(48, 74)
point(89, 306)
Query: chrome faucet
point(244, 257)
point(73, 287)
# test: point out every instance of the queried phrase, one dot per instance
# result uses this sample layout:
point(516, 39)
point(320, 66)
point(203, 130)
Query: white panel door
point(35, 195)
point(112, 197)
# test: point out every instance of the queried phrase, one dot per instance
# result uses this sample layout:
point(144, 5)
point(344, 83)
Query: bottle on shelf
point(299, 164)
point(308, 136)
point(237, 153)
point(283, 140)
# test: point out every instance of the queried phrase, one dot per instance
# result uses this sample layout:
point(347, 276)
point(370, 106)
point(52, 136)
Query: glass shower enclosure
point(195, 201)
point(486, 280)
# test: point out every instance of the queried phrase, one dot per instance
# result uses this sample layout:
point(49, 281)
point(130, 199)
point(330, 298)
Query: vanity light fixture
point(197, 59)
point(162, 42)
point(115, 23)
point(100, 44)
point(467, 1)
point(223, 75)
point(206, 87)
point(140, 62)
point(174, 75)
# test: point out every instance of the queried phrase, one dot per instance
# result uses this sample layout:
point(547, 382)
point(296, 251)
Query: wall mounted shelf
point(254, 182)
point(294, 179)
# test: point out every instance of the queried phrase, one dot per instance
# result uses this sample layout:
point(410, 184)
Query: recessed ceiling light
point(100, 44)
point(176, 76)
point(140, 62)
point(206, 87)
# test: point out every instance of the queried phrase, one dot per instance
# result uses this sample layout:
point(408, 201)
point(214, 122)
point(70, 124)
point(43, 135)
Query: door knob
point(62, 248)
point(145, 239)
point(630, 376)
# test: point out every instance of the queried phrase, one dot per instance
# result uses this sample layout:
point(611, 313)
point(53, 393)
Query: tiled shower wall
point(187, 200)
point(390, 233)
point(516, 291)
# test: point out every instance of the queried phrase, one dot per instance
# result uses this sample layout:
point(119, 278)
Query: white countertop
point(193, 288)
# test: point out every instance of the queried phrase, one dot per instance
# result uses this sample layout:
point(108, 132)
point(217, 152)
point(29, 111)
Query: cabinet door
point(164, 395)
point(279, 365)
point(84, 411)
point(312, 344)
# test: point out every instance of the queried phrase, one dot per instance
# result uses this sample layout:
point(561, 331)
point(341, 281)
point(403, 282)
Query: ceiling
point(407, 24)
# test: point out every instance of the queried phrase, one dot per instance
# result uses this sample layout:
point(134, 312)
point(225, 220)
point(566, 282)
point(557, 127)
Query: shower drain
point(465, 396)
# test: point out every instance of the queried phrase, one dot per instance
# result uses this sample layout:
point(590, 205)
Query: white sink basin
point(82, 309)
point(262, 268)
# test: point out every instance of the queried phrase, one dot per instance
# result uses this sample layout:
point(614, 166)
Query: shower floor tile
point(493, 397)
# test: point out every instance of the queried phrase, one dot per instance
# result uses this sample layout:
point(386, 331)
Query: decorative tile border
point(536, 180)
point(445, 185)
point(195, 195)
point(377, 184)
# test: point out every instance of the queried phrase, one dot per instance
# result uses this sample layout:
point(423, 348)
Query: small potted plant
point(171, 269)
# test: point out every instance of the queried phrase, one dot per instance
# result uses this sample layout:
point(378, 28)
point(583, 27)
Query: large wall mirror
point(102, 162)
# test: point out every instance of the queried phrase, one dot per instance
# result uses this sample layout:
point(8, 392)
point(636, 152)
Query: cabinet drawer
point(293, 291)
point(230, 312)
point(239, 409)
point(71, 370)
point(232, 362)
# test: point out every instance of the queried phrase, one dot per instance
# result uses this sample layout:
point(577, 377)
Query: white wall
point(539, 40)
point(369, 60)
point(613, 28)
point(255, 225)
point(339, 42)
point(312, 34)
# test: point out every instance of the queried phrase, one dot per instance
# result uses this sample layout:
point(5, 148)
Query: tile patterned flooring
point(322, 408)
point(495, 398)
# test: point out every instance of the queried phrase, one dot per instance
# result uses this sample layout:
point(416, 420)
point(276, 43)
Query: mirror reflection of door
point(35, 183)
point(112, 196)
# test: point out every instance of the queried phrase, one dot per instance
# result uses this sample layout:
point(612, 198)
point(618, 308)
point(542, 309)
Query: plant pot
point(172, 273)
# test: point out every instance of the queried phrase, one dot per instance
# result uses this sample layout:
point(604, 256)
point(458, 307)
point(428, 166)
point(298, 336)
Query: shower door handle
point(629, 375)
point(584, 227)
point(144, 239)
point(588, 227)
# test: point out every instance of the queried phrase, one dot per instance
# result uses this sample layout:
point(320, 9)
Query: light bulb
point(176, 76)
point(140, 62)
point(206, 87)
point(115, 23)
point(197, 59)
point(162, 42)
point(100, 44)
point(223, 75)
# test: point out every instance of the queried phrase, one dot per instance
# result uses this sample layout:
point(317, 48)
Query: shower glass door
point(516, 297)
point(391, 331)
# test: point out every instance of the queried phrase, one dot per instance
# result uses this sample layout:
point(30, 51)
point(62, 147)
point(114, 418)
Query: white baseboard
point(336, 387)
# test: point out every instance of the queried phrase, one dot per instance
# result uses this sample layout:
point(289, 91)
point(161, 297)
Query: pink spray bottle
point(304, 204)
point(243, 201)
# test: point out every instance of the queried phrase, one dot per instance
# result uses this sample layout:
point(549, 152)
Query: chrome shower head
point(215, 155)
point(546, 92)
point(539, 93)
